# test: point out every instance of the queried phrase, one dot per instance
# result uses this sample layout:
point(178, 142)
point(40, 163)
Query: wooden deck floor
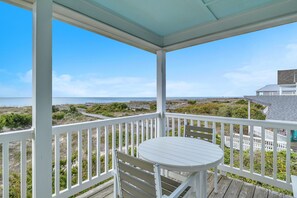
point(227, 188)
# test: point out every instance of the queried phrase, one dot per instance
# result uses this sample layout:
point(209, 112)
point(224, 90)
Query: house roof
point(171, 24)
point(279, 107)
point(275, 88)
point(270, 88)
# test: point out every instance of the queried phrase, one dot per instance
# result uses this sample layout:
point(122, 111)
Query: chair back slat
point(136, 172)
point(135, 192)
point(199, 132)
point(145, 165)
point(138, 183)
point(136, 176)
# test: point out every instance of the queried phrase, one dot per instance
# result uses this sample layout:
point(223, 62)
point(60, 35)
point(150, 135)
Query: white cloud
point(124, 86)
point(26, 77)
point(261, 70)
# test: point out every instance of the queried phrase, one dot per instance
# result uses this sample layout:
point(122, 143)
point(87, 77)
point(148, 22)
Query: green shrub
point(192, 102)
point(55, 109)
point(103, 108)
point(17, 120)
point(2, 122)
point(241, 102)
point(58, 115)
point(72, 109)
point(153, 106)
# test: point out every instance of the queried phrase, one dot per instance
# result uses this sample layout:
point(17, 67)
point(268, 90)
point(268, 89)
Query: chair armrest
point(179, 190)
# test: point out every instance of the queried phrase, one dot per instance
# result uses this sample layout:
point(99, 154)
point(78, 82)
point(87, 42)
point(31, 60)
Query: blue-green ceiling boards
point(169, 22)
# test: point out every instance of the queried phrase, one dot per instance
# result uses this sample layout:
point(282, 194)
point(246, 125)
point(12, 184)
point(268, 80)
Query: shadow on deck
point(227, 188)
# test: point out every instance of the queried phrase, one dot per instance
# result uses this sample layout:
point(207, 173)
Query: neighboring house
point(273, 90)
point(278, 107)
point(286, 84)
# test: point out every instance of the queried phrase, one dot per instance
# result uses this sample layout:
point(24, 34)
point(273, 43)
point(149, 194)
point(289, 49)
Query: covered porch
point(69, 159)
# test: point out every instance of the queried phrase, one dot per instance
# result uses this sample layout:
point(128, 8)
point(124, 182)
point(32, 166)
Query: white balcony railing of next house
point(82, 154)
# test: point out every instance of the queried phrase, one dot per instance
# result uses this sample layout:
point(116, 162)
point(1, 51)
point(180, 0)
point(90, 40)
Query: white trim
point(248, 22)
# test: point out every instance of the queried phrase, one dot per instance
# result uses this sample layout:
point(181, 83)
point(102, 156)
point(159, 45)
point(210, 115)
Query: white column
point(280, 91)
point(161, 91)
point(42, 98)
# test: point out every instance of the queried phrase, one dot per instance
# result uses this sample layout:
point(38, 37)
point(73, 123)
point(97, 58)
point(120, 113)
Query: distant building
point(280, 99)
point(286, 84)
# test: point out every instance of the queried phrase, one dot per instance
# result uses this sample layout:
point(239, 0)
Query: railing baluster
point(274, 153)
point(205, 124)
point(106, 150)
point(241, 147)
point(262, 151)
point(155, 128)
point(137, 137)
point(231, 145)
point(178, 127)
point(114, 146)
point(23, 168)
point(146, 129)
point(89, 154)
point(132, 138)
point(57, 164)
point(185, 123)
point(79, 157)
point(214, 139)
point(198, 123)
point(69, 157)
point(120, 137)
point(126, 138)
point(173, 127)
point(98, 130)
point(288, 156)
point(5, 170)
point(252, 150)
point(151, 125)
point(222, 138)
point(142, 130)
point(191, 122)
point(167, 127)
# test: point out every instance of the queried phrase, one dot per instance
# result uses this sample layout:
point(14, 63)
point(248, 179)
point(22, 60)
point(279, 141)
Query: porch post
point(161, 91)
point(42, 99)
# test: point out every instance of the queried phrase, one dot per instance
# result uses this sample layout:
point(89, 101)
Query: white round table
point(183, 154)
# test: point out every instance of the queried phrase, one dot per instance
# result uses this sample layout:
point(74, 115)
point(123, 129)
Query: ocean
point(27, 101)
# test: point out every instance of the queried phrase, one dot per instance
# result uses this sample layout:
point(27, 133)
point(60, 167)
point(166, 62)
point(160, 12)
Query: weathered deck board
point(227, 188)
point(260, 192)
point(234, 189)
point(223, 186)
point(247, 191)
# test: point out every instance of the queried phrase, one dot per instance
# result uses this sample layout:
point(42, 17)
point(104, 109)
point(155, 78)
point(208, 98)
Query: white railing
point(235, 128)
point(82, 151)
point(15, 142)
point(246, 143)
point(95, 141)
point(268, 134)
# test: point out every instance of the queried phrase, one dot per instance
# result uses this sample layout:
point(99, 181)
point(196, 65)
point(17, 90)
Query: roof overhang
point(171, 24)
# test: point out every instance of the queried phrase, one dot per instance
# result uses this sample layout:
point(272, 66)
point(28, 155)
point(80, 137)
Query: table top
point(181, 153)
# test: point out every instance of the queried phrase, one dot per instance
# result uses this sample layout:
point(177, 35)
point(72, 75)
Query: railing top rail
point(99, 123)
point(290, 125)
point(16, 135)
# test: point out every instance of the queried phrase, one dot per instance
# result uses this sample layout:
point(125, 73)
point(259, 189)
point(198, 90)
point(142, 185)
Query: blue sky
point(90, 65)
